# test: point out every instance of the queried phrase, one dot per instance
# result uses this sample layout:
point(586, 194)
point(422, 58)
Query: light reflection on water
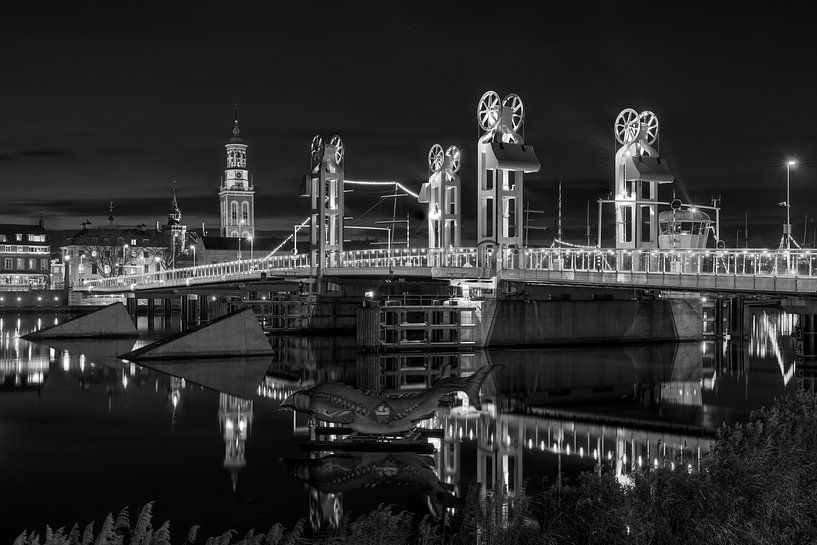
point(213, 429)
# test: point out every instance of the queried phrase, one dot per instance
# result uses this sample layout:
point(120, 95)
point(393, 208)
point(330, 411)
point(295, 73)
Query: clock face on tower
point(238, 175)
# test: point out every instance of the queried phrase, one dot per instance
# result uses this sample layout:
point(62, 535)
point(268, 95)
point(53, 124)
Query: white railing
point(232, 270)
point(755, 262)
point(599, 266)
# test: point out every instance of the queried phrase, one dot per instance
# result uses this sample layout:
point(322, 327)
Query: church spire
point(236, 130)
point(175, 215)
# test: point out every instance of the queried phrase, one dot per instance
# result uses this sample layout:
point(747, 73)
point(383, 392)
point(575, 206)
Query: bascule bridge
point(666, 267)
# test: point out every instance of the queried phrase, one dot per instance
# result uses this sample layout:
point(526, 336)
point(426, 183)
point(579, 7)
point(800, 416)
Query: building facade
point(237, 194)
point(24, 257)
point(103, 252)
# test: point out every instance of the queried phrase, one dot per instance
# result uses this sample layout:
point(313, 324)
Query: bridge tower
point(442, 194)
point(503, 158)
point(325, 189)
point(237, 194)
point(639, 170)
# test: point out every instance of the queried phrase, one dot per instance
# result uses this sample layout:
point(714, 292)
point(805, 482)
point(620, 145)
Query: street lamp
point(66, 261)
point(124, 249)
point(251, 246)
point(239, 246)
point(790, 163)
point(193, 247)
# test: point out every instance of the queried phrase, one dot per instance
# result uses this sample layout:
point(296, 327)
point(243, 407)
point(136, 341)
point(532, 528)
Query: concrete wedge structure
point(110, 321)
point(236, 334)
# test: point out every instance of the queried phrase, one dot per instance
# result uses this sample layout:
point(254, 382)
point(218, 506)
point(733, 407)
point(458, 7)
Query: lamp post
point(193, 247)
point(240, 234)
point(124, 249)
point(251, 246)
point(789, 164)
point(66, 261)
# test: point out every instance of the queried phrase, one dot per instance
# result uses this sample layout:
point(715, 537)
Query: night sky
point(102, 105)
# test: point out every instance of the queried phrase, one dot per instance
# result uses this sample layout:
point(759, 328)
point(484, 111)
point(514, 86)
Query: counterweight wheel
point(649, 126)
point(316, 150)
point(337, 141)
point(454, 153)
point(435, 158)
point(514, 103)
point(488, 110)
point(627, 126)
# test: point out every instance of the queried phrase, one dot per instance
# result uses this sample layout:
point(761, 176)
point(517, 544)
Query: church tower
point(237, 195)
point(177, 231)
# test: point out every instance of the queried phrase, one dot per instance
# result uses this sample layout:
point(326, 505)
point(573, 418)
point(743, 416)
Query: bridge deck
point(780, 271)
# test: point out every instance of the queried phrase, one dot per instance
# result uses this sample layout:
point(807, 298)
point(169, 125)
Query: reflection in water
point(385, 414)
point(235, 417)
point(767, 329)
point(386, 419)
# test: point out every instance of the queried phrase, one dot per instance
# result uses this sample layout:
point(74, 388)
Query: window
point(489, 218)
point(646, 224)
point(44, 264)
point(234, 212)
point(21, 264)
point(3, 238)
point(9, 263)
point(646, 194)
point(32, 264)
point(245, 211)
point(18, 236)
point(36, 238)
point(133, 242)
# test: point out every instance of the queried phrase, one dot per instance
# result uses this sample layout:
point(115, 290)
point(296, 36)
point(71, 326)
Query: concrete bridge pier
point(132, 305)
point(191, 308)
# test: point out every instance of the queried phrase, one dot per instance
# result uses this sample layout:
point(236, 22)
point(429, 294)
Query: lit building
point(24, 257)
point(237, 195)
point(103, 252)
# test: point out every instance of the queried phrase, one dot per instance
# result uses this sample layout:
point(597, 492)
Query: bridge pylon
point(639, 170)
point(442, 193)
point(503, 158)
point(325, 189)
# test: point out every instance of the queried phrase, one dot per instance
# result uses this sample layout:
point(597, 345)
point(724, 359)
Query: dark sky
point(102, 102)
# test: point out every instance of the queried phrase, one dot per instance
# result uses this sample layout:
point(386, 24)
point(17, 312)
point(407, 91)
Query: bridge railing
point(213, 271)
point(750, 262)
point(410, 257)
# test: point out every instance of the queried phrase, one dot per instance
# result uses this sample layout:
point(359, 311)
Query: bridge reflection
point(535, 405)
point(546, 413)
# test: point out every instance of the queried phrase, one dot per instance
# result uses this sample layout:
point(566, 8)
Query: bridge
point(783, 272)
point(667, 250)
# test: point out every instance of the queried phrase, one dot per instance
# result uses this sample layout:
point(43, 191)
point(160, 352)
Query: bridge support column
point(167, 307)
point(151, 313)
point(204, 309)
point(192, 308)
point(131, 304)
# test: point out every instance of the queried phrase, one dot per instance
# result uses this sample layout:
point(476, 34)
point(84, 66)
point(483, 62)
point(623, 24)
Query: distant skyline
point(103, 105)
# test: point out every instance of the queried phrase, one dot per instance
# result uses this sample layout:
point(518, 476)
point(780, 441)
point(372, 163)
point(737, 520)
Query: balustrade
point(776, 264)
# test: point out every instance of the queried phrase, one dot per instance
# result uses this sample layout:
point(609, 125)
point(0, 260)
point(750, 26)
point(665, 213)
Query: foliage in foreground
point(758, 485)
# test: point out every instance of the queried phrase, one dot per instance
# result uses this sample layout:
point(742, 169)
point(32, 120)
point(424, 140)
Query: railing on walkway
point(674, 267)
